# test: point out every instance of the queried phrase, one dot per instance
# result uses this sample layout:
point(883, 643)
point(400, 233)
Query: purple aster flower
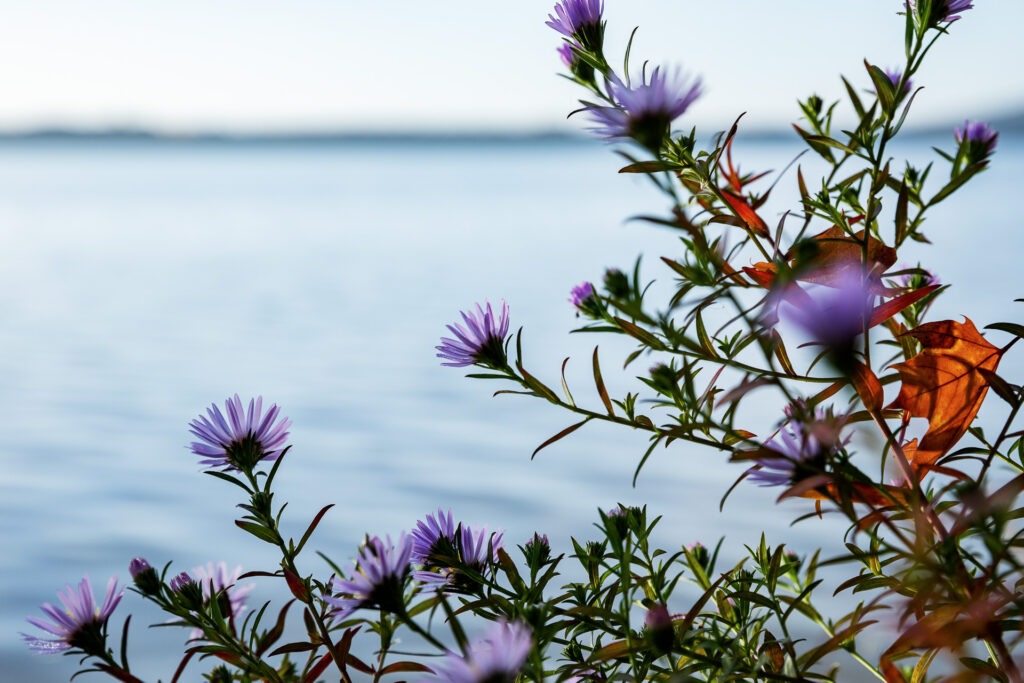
point(242, 440)
point(977, 139)
point(644, 112)
point(469, 553)
point(481, 342)
point(433, 537)
point(378, 580)
point(181, 581)
point(79, 623)
point(943, 11)
point(497, 658)
point(580, 294)
point(801, 448)
point(580, 20)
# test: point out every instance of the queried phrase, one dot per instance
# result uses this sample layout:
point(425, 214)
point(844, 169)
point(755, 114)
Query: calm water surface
point(140, 283)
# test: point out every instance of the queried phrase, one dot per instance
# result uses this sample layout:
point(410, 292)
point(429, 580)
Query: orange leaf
point(945, 384)
point(839, 253)
point(868, 387)
point(762, 273)
point(746, 213)
point(894, 306)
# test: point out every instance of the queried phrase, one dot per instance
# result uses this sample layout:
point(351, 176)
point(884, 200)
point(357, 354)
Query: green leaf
point(601, 390)
point(883, 88)
point(1012, 328)
point(560, 435)
point(257, 530)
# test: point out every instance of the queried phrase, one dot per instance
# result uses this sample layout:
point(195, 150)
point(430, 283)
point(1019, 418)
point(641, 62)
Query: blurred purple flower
point(79, 623)
point(581, 20)
point(580, 294)
point(378, 580)
point(979, 137)
point(567, 54)
point(943, 11)
point(481, 342)
point(215, 578)
point(137, 566)
point(920, 278)
point(894, 76)
point(644, 111)
point(473, 551)
point(242, 440)
point(801, 448)
point(181, 581)
point(832, 316)
point(497, 658)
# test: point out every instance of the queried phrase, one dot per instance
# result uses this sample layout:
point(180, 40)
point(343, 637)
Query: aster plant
point(799, 303)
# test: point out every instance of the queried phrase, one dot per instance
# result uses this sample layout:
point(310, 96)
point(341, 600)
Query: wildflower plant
point(818, 315)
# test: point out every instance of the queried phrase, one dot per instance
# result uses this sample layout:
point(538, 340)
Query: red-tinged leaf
point(318, 668)
point(746, 213)
point(312, 527)
point(741, 390)
point(399, 667)
point(943, 384)
point(293, 647)
point(762, 273)
point(119, 674)
point(891, 671)
point(560, 435)
point(827, 393)
point(875, 495)
point(297, 586)
point(894, 306)
point(274, 634)
point(189, 654)
point(868, 387)
point(839, 253)
point(229, 657)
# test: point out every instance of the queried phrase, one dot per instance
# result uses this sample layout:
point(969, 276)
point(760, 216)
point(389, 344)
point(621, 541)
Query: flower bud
point(144, 576)
point(616, 283)
point(188, 592)
point(660, 632)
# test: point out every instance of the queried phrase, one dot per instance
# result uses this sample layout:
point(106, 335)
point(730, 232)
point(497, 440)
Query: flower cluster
point(453, 556)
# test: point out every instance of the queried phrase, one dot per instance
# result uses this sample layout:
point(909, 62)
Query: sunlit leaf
point(945, 384)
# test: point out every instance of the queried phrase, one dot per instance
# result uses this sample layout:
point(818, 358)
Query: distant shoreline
point(358, 138)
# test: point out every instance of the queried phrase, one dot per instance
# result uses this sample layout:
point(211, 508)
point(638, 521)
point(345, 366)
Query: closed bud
point(144, 576)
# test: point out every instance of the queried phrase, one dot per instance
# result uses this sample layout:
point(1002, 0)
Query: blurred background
point(292, 200)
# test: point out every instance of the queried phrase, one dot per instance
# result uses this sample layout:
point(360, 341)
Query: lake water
point(141, 282)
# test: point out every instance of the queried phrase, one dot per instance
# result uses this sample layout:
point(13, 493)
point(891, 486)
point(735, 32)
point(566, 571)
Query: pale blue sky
point(252, 65)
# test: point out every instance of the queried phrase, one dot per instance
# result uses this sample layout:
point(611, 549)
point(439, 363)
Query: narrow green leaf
point(1012, 328)
point(601, 390)
point(565, 385)
point(260, 532)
